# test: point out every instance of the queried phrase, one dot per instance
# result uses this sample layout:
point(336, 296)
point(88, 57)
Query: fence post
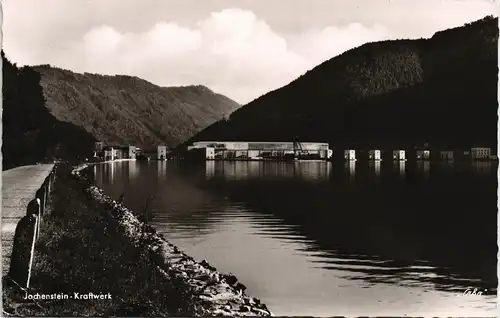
point(40, 195)
point(52, 177)
point(45, 196)
point(24, 246)
point(49, 182)
point(38, 215)
point(35, 208)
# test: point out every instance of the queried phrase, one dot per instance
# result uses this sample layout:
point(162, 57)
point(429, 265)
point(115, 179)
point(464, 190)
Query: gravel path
point(19, 186)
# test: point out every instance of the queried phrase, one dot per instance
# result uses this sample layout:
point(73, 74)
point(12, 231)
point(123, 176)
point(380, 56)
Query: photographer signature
point(473, 292)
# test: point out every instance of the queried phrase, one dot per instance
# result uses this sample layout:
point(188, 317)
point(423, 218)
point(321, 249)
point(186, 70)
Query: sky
point(239, 48)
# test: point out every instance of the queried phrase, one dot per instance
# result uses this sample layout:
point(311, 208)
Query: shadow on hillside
point(441, 90)
point(31, 133)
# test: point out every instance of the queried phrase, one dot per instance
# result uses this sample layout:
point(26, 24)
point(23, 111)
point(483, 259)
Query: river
point(324, 239)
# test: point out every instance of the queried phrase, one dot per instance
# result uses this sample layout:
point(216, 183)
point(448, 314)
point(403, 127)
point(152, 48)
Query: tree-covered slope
point(441, 90)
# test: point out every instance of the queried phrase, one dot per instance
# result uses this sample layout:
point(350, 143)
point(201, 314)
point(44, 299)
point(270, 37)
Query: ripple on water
point(286, 264)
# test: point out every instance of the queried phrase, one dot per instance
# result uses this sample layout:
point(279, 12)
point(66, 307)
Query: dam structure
point(259, 150)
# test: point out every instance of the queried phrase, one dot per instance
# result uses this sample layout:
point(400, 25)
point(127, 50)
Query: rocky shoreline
point(213, 293)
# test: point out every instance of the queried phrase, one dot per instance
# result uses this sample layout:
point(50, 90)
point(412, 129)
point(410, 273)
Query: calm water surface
point(323, 239)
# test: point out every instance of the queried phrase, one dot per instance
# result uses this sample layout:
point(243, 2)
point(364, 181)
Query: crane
point(300, 153)
point(298, 150)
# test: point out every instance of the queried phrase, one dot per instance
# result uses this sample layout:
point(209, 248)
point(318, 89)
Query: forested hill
point(52, 113)
point(129, 110)
point(441, 90)
point(30, 133)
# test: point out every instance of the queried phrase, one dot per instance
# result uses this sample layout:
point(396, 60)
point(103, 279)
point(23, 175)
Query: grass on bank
point(80, 249)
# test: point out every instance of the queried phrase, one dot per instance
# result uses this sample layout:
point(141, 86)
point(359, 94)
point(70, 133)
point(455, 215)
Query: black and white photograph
point(288, 158)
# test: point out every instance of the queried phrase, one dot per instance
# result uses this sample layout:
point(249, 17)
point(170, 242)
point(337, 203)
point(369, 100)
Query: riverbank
point(92, 244)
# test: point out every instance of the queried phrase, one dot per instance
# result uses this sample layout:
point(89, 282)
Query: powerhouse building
point(243, 150)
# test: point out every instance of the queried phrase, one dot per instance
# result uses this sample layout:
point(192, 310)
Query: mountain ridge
point(51, 113)
point(130, 110)
point(354, 98)
point(30, 133)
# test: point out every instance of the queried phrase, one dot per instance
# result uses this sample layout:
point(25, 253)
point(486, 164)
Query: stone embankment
point(213, 292)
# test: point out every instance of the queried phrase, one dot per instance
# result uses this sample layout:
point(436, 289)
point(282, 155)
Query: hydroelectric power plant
point(277, 151)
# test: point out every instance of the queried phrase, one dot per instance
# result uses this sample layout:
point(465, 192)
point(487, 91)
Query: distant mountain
point(30, 133)
point(53, 113)
point(401, 93)
point(130, 110)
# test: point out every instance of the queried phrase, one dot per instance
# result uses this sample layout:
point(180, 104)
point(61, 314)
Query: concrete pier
point(19, 187)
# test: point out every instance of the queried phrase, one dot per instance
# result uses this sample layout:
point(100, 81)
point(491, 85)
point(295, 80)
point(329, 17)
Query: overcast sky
point(239, 48)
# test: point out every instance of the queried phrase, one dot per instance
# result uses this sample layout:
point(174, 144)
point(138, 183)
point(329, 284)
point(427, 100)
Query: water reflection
point(112, 166)
point(424, 166)
point(312, 171)
point(162, 169)
point(400, 165)
point(351, 166)
point(323, 248)
point(446, 165)
point(133, 170)
point(210, 169)
point(482, 166)
point(244, 170)
point(377, 167)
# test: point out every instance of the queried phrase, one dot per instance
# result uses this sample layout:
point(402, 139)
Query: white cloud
point(320, 45)
point(232, 51)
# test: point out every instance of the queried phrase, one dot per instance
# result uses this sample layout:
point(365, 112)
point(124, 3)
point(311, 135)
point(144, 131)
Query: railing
point(27, 232)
